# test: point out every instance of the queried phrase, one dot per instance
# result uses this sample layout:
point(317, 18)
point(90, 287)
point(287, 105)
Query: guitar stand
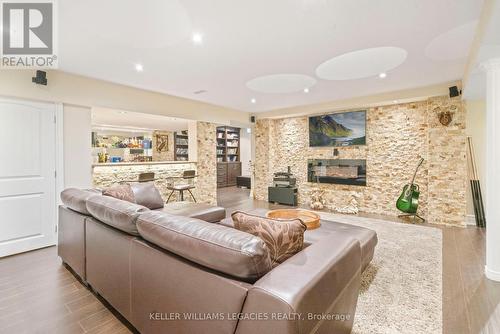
point(414, 215)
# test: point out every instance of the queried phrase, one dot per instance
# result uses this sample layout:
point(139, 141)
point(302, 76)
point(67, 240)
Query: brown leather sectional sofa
point(171, 273)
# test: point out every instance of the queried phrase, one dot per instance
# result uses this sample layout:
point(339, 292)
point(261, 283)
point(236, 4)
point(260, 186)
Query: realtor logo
point(28, 39)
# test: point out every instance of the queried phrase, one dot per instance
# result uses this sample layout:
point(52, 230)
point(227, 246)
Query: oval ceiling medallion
point(281, 83)
point(452, 44)
point(361, 63)
point(141, 24)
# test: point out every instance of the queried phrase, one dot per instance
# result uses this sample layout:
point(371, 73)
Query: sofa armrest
point(314, 291)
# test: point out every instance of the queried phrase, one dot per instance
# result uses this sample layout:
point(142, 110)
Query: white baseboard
point(492, 275)
point(470, 220)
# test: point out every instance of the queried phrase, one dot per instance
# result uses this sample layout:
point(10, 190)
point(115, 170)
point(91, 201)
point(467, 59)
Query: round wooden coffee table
point(309, 218)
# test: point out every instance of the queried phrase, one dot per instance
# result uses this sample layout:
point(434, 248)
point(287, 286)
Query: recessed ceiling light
point(306, 90)
point(382, 75)
point(122, 112)
point(395, 101)
point(139, 67)
point(197, 38)
point(253, 101)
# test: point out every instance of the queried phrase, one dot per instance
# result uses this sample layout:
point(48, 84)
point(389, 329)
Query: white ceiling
point(112, 119)
point(361, 64)
point(488, 48)
point(281, 83)
point(244, 40)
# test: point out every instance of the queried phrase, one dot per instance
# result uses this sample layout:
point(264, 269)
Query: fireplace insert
point(337, 171)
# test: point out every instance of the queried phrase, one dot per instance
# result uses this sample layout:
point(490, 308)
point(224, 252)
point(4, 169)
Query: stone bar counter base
point(105, 175)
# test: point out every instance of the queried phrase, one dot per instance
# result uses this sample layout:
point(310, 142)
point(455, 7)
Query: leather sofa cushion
point(284, 238)
point(206, 212)
point(366, 237)
point(117, 213)
point(76, 199)
point(217, 247)
point(146, 194)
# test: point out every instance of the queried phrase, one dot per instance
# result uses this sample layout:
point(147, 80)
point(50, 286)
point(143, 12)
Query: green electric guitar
point(408, 200)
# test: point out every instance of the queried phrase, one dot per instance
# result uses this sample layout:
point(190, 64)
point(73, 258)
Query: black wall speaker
point(454, 91)
point(252, 119)
point(40, 78)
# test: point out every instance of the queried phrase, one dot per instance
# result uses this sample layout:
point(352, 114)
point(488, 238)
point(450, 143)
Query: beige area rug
point(401, 290)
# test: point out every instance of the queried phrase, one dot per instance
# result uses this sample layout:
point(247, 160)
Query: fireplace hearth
point(337, 171)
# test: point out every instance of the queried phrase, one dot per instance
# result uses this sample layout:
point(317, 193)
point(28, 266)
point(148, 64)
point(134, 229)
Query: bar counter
point(142, 163)
point(105, 175)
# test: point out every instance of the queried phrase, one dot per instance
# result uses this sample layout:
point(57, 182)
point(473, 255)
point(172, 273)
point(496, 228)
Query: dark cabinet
point(233, 171)
point(221, 174)
point(282, 195)
point(227, 172)
point(244, 181)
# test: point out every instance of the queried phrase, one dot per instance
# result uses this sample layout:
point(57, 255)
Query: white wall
point(77, 147)
point(245, 151)
point(476, 129)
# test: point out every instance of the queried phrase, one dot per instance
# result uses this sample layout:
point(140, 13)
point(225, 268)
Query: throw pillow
point(146, 194)
point(284, 238)
point(120, 191)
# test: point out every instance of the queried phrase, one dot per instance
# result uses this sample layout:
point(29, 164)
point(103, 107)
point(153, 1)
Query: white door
point(27, 176)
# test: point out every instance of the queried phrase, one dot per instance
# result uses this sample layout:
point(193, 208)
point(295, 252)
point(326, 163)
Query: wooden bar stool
point(146, 177)
point(187, 184)
point(142, 177)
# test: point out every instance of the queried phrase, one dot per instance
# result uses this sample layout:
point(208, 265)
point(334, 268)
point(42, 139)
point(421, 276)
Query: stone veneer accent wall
point(397, 136)
point(207, 165)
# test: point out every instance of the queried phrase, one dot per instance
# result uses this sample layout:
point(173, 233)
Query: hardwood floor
point(39, 295)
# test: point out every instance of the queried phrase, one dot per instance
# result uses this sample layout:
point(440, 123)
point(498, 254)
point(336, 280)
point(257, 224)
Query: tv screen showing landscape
point(339, 129)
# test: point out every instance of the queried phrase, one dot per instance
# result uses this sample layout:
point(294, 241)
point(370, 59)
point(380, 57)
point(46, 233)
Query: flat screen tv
point(339, 129)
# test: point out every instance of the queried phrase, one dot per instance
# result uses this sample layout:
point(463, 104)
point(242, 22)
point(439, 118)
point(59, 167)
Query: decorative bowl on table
point(309, 218)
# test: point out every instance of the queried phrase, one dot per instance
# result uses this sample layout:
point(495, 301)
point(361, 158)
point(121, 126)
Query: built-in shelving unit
point(181, 146)
point(121, 146)
point(228, 144)
point(228, 156)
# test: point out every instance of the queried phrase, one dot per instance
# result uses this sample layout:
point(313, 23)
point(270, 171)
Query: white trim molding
point(470, 220)
point(492, 68)
point(492, 275)
point(59, 151)
point(59, 160)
